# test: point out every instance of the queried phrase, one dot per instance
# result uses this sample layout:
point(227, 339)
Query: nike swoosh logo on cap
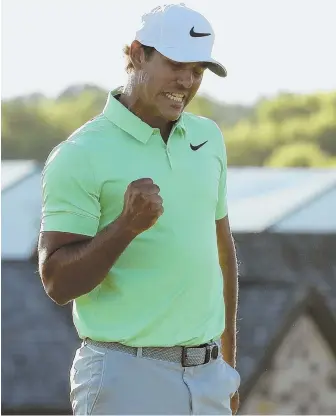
point(197, 34)
point(198, 146)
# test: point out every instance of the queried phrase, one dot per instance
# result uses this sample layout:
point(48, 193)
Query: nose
point(185, 78)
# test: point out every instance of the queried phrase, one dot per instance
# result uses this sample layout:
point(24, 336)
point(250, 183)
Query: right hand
point(142, 205)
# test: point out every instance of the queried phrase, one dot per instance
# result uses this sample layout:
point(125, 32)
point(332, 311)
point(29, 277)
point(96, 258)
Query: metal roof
point(21, 216)
point(282, 200)
point(259, 199)
point(13, 171)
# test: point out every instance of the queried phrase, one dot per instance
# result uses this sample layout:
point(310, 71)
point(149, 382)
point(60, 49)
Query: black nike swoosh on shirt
point(194, 34)
point(198, 146)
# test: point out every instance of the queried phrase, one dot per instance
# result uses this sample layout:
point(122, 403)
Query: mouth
point(175, 96)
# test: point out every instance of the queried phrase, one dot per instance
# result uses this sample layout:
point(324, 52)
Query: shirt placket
point(167, 146)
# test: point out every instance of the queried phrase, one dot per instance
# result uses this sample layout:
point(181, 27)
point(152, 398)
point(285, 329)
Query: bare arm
point(72, 265)
point(228, 264)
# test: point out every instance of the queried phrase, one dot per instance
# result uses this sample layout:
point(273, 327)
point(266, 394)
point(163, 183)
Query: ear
point(137, 54)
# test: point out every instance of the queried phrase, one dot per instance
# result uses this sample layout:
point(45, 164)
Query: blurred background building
point(277, 111)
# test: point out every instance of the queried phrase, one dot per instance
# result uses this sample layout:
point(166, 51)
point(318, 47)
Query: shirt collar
point(119, 115)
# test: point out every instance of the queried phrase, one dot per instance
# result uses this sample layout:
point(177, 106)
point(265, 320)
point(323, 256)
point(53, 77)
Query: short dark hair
point(129, 66)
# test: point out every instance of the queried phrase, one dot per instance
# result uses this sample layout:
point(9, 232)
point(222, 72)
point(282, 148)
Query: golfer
point(135, 233)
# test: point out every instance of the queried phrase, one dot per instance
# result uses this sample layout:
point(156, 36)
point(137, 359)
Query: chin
point(174, 118)
point(172, 114)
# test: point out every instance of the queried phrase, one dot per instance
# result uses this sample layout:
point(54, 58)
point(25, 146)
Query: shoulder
point(80, 144)
point(88, 134)
point(73, 154)
point(193, 123)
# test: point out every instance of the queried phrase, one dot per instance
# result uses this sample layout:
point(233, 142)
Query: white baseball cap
point(180, 34)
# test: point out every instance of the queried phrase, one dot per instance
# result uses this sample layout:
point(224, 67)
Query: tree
point(298, 154)
point(26, 134)
point(288, 130)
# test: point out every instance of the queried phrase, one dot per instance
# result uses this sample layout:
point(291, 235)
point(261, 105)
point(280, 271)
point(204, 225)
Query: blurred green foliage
point(289, 130)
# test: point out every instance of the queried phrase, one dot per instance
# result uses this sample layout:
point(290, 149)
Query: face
point(166, 87)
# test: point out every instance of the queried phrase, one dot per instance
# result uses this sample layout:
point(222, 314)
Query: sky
point(267, 46)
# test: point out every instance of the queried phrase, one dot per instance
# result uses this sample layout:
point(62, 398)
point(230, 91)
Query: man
point(135, 232)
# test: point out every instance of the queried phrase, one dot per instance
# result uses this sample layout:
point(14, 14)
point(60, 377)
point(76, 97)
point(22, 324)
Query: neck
point(130, 99)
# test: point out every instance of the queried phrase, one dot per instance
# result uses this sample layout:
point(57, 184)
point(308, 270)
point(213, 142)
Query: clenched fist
point(142, 205)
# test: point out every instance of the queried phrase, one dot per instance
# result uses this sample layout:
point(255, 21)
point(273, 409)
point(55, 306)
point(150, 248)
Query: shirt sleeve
point(70, 199)
point(222, 208)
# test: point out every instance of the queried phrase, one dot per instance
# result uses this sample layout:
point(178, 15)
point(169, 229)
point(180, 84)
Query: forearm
point(228, 263)
point(76, 269)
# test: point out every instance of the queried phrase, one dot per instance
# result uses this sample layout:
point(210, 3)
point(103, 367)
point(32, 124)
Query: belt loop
point(139, 352)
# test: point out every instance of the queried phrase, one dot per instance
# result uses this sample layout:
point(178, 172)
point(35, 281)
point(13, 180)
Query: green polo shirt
point(167, 287)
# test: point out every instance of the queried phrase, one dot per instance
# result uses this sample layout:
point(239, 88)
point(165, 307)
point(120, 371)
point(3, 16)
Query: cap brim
point(175, 55)
point(217, 68)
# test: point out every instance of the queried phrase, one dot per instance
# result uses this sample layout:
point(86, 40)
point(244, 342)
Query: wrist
point(124, 226)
